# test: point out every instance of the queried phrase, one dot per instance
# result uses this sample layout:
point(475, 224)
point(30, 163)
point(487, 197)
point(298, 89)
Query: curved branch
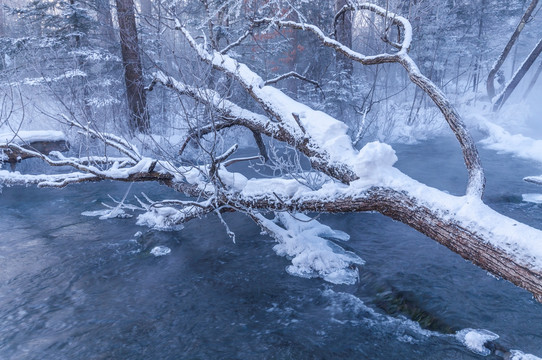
point(288, 75)
point(476, 180)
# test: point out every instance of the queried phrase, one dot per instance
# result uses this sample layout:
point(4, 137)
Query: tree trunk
point(343, 34)
point(533, 80)
point(478, 61)
point(496, 67)
point(470, 240)
point(2, 31)
point(103, 10)
point(133, 72)
point(511, 86)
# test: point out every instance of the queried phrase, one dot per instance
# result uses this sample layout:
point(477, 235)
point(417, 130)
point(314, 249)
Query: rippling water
point(75, 287)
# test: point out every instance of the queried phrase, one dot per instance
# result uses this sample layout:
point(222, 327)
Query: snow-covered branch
point(476, 181)
point(289, 75)
point(328, 144)
point(351, 180)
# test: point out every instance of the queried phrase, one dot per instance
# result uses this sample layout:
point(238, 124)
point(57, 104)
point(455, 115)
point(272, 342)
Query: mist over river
point(76, 287)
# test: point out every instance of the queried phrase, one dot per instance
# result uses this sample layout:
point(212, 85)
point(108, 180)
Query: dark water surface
point(76, 287)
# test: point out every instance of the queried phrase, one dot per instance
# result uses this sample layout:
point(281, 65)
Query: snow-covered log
point(43, 142)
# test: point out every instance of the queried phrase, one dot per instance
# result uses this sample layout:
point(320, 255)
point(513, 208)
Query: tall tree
point(133, 71)
point(343, 34)
point(103, 12)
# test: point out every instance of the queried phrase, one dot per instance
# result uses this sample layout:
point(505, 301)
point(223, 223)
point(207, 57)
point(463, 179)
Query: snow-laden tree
point(341, 178)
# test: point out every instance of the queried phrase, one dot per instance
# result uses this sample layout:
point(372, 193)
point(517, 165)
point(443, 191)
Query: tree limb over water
point(341, 179)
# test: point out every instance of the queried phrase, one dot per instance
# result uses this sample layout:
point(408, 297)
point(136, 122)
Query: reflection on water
point(75, 287)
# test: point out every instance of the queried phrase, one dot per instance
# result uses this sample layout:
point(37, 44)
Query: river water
point(76, 287)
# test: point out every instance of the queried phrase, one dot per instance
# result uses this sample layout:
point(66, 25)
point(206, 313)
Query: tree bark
point(133, 72)
point(502, 57)
point(477, 62)
point(2, 19)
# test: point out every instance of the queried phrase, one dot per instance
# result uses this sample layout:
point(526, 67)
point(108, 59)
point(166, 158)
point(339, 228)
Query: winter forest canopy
point(279, 111)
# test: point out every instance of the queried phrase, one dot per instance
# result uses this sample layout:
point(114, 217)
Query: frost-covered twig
point(115, 141)
point(238, 41)
point(289, 75)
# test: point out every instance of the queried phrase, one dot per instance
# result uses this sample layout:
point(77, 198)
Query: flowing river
point(76, 287)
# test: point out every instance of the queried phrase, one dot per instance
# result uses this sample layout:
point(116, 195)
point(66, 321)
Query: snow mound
point(303, 240)
point(373, 158)
point(22, 137)
point(162, 219)
point(518, 355)
point(519, 145)
point(160, 250)
point(532, 198)
point(475, 339)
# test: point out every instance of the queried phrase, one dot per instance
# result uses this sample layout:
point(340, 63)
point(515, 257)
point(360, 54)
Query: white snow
point(104, 214)
point(373, 160)
point(519, 355)
point(16, 178)
point(23, 137)
point(301, 239)
point(160, 250)
point(534, 179)
point(162, 219)
point(519, 145)
point(533, 198)
point(520, 241)
point(474, 339)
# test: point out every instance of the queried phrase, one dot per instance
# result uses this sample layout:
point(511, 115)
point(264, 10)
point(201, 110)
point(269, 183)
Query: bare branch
point(288, 75)
point(236, 160)
point(238, 41)
point(118, 143)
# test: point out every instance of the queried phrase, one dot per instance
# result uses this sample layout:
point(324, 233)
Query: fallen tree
point(341, 179)
point(490, 82)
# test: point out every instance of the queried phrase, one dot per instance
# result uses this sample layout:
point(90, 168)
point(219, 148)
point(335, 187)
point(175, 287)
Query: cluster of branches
point(354, 181)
